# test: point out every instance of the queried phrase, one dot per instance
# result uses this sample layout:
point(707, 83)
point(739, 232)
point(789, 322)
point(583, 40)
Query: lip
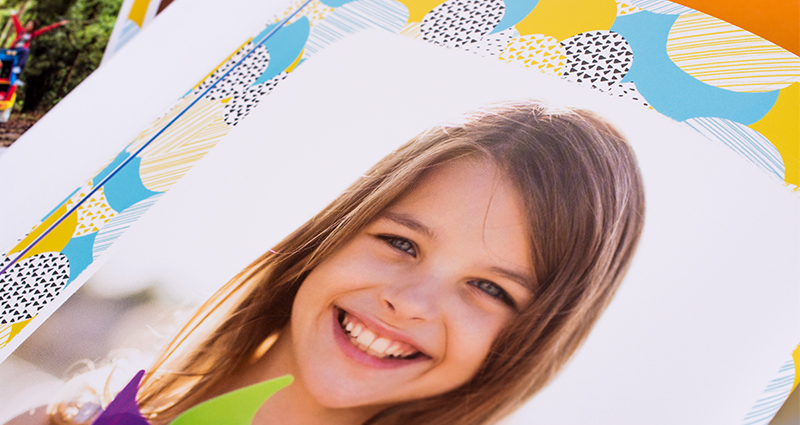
point(358, 356)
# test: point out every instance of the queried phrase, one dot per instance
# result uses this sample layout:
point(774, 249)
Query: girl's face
point(410, 307)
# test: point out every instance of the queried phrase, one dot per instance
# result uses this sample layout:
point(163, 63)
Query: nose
point(413, 300)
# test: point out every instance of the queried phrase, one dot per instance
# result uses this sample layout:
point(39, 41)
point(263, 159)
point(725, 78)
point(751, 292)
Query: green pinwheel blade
point(234, 408)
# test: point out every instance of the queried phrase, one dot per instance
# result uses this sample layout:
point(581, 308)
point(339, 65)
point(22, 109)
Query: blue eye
point(494, 290)
point(400, 244)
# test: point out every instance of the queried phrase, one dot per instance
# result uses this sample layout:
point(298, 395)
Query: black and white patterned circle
point(242, 103)
point(492, 44)
point(599, 58)
point(456, 23)
point(627, 91)
point(240, 78)
point(219, 72)
point(30, 284)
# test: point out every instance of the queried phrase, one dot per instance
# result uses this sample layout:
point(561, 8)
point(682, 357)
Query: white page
point(701, 323)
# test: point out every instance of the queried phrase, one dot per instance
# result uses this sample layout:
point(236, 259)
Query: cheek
point(328, 282)
point(321, 285)
point(470, 338)
point(349, 269)
point(309, 296)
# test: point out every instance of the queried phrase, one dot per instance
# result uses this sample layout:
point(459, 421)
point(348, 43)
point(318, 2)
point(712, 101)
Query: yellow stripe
point(296, 62)
point(183, 144)
point(222, 63)
point(8, 332)
point(796, 358)
point(720, 54)
point(138, 11)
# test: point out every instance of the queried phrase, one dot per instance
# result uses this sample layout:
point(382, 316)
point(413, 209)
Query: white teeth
point(367, 341)
point(380, 345)
point(393, 349)
point(366, 337)
point(374, 353)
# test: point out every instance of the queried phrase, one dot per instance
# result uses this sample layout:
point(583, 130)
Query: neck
point(293, 404)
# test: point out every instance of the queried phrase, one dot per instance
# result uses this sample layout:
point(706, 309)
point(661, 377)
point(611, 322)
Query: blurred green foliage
point(61, 58)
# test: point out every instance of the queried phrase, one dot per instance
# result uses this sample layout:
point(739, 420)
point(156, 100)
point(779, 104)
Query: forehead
point(471, 184)
point(472, 203)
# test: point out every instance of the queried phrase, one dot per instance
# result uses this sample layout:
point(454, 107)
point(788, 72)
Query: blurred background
point(99, 323)
point(59, 59)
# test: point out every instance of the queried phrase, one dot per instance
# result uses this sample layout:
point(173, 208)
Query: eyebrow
point(409, 222)
point(525, 280)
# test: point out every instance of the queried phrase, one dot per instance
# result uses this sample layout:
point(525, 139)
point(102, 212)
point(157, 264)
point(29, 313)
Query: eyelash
point(395, 242)
point(495, 291)
point(489, 288)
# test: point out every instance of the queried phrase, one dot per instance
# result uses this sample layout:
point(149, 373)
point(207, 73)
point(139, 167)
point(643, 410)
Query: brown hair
point(581, 187)
point(35, 23)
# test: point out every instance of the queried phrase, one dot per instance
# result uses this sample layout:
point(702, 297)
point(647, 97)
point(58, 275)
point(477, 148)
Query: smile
point(371, 342)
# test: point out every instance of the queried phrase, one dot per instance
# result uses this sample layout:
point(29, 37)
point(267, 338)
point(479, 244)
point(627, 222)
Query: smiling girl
point(446, 286)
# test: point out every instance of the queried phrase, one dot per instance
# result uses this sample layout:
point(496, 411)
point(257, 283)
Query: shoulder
point(36, 416)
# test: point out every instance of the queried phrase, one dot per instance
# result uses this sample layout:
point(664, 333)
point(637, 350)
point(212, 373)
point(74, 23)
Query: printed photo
point(430, 237)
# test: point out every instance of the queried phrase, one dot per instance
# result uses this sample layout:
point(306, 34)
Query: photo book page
point(703, 326)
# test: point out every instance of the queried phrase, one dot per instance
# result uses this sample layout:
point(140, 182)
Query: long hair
point(583, 197)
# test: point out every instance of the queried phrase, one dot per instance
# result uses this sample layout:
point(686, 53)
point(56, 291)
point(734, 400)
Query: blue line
point(138, 151)
point(779, 398)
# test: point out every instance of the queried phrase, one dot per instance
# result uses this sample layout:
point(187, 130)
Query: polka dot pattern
point(626, 91)
point(600, 58)
point(30, 284)
point(242, 76)
point(456, 23)
point(492, 45)
point(243, 102)
point(538, 51)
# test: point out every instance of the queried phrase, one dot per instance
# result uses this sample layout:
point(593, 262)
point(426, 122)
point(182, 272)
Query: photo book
point(222, 127)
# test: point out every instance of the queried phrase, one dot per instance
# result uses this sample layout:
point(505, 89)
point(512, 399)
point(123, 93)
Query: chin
point(333, 391)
